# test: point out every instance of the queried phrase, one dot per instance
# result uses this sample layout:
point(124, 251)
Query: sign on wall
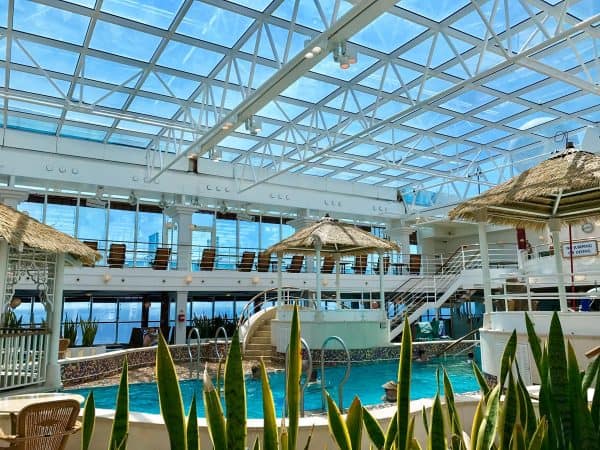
point(580, 248)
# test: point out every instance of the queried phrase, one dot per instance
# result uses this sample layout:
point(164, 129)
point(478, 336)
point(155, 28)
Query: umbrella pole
point(554, 226)
point(338, 296)
point(279, 279)
point(318, 274)
point(485, 267)
point(381, 290)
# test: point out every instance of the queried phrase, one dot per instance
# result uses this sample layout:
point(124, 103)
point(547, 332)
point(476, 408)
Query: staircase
point(259, 343)
point(418, 294)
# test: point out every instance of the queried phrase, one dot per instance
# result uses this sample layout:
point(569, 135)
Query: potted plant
point(89, 328)
point(70, 330)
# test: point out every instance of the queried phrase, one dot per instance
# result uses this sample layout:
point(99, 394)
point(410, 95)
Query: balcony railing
point(23, 354)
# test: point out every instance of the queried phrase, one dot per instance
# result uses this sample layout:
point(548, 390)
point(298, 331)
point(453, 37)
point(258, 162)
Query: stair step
point(256, 353)
point(260, 340)
point(262, 333)
point(262, 347)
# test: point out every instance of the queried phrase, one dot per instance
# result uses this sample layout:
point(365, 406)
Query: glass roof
point(436, 92)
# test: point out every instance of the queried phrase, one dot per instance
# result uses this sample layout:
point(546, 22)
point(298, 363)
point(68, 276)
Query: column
point(318, 274)
point(485, 266)
point(279, 279)
point(381, 289)
point(302, 221)
point(400, 233)
point(53, 380)
point(3, 270)
point(554, 226)
point(338, 295)
point(181, 304)
point(12, 197)
point(182, 216)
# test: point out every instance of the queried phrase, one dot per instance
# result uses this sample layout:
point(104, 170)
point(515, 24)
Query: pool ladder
point(220, 330)
point(308, 374)
point(342, 381)
point(194, 331)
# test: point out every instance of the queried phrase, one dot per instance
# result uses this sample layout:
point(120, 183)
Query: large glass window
point(121, 228)
point(269, 234)
point(34, 210)
point(149, 236)
point(61, 217)
point(226, 244)
point(105, 313)
point(248, 235)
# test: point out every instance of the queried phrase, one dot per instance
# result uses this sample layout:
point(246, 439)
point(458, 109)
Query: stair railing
point(194, 331)
point(342, 381)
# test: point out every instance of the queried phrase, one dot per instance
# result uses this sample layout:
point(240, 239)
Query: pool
point(365, 381)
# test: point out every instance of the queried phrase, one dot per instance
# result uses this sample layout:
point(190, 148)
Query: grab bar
point(189, 345)
point(458, 341)
point(218, 353)
point(346, 375)
point(308, 373)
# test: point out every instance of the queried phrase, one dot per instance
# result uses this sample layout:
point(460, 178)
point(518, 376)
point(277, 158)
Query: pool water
point(365, 381)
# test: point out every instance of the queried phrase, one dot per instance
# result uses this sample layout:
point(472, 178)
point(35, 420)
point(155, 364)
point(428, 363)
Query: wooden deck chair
point(247, 262)
point(328, 264)
point(208, 259)
point(263, 263)
point(386, 265)
point(44, 425)
point(296, 264)
point(360, 264)
point(161, 259)
point(414, 264)
point(94, 246)
point(116, 255)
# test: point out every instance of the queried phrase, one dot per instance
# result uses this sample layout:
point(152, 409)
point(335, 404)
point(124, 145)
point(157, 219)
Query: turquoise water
point(365, 381)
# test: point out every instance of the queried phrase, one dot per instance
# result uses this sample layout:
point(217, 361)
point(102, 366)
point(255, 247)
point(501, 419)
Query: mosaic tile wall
point(81, 370)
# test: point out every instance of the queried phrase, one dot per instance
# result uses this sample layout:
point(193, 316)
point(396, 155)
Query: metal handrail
point(218, 353)
point(308, 373)
point(458, 341)
point(343, 380)
point(189, 345)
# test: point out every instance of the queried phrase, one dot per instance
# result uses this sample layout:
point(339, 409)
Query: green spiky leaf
point(192, 427)
point(120, 427)
point(294, 372)
point(270, 419)
point(235, 397)
point(337, 426)
point(354, 423)
point(89, 418)
point(373, 430)
point(403, 389)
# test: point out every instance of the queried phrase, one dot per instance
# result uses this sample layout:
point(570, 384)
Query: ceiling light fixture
point(312, 50)
point(345, 55)
point(253, 125)
point(229, 122)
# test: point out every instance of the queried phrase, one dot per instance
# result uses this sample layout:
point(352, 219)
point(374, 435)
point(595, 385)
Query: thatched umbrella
point(563, 190)
point(565, 187)
point(19, 230)
point(332, 237)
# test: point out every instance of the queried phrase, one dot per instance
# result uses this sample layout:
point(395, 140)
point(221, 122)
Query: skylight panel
point(392, 172)
point(500, 111)
point(337, 162)
point(317, 171)
point(454, 149)
point(516, 142)
point(179, 87)
point(54, 23)
point(89, 118)
point(131, 141)
point(123, 41)
point(387, 33)
point(329, 67)
point(35, 125)
point(578, 104)
point(28, 82)
point(431, 55)
point(158, 108)
point(592, 117)
point(371, 180)
point(158, 13)
point(427, 120)
point(308, 15)
point(531, 120)
point(34, 108)
point(139, 127)
point(584, 9)
point(389, 108)
point(549, 92)
point(48, 58)
point(467, 101)
point(438, 10)
point(345, 176)
point(196, 60)
point(425, 143)
point(238, 143)
point(244, 68)
point(394, 184)
point(281, 110)
point(475, 64)
point(89, 134)
point(275, 49)
point(103, 97)
point(214, 95)
point(393, 135)
point(459, 128)
point(421, 161)
point(386, 78)
point(110, 72)
point(3, 13)
point(212, 24)
point(514, 79)
point(488, 136)
point(559, 127)
point(430, 87)
point(569, 56)
point(366, 167)
point(258, 5)
point(362, 150)
point(309, 89)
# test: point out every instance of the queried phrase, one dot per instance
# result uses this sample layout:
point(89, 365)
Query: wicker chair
point(296, 264)
point(247, 262)
point(44, 426)
point(116, 256)
point(161, 259)
point(264, 262)
point(328, 264)
point(208, 259)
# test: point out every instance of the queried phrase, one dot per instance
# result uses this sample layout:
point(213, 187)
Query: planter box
point(77, 352)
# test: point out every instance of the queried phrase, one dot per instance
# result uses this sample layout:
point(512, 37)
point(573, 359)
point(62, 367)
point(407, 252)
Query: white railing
point(23, 357)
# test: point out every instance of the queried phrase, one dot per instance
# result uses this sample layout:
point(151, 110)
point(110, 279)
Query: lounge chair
point(247, 261)
point(94, 246)
point(44, 426)
point(386, 265)
point(263, 263)
point(161, 259)
point(328, 264)
point(208, 259)
point(414, 264)
point(360, 264)
point(296, 264)
point(116, 256)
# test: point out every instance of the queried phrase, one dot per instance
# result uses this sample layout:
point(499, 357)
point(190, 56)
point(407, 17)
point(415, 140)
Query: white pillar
point(12, 197)
point(485, 267)
point(180, 327)
point(381, 289)
point(53, 380)
point(279, 279)
point(3, 270)
point(182, 215)
point(554, 226)
point(303, 220)
point(318, 274)
point(338, 295)
point(400, 234)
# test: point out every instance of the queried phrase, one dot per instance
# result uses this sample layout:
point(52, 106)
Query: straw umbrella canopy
point(19, 230)
point(334, 237)
point(565, 187)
